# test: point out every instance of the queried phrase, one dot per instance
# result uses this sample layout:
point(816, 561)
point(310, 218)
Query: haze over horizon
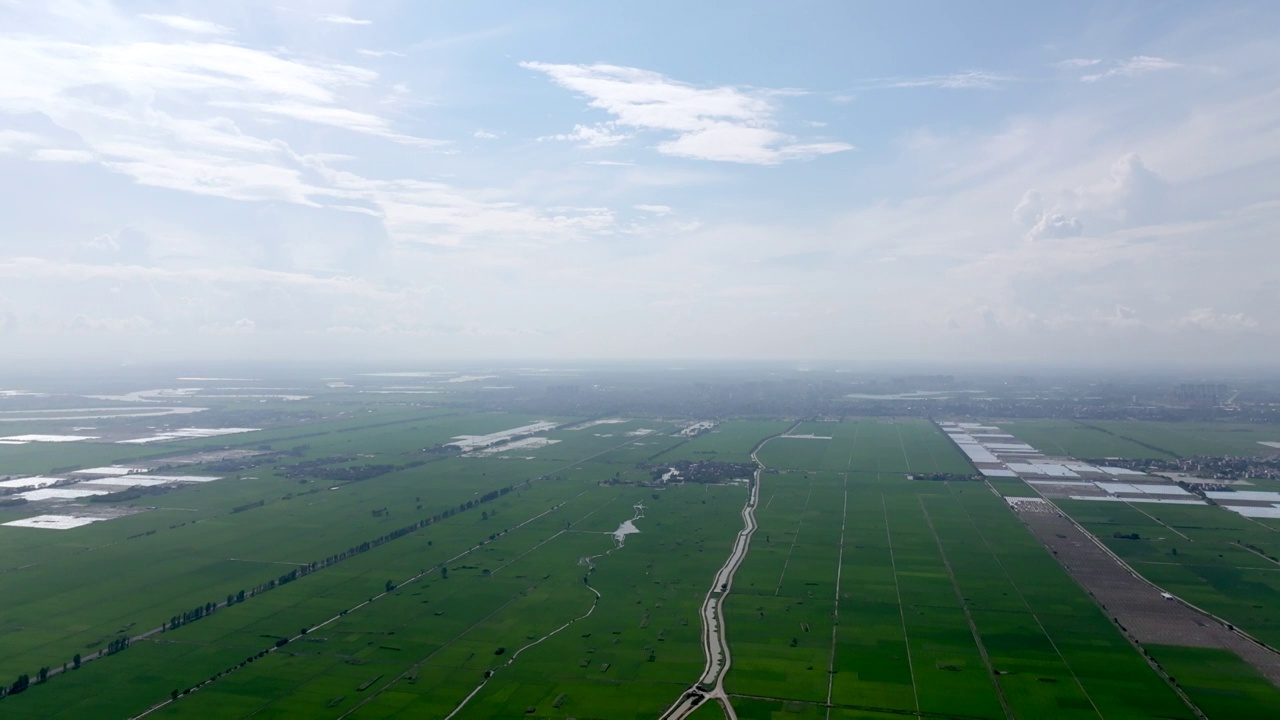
point(1068, 183)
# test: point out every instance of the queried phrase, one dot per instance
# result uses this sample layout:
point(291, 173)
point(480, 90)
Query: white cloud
point(101, 244)
point(1132, 195)
point(243, 326)
point(717, 123)
point(381, 241)
point(42, 72)
point(206, 154)
point(590, 136)
point(1029, 209)
point(438, 214)
point(1121, 316)
point(347, 119)
point(482, 134)
point(970, 79)
point(212, 156)
point(343, 20)
point(39, 268)
point(12, 140)
point(215, 300)
point(204, 169)
point(186, 24)
point(1133, 67)
point(1077, 63)
point(1207, 319)
point(68, 156)
point(1042, 223)
point(1056, 225)
point(380, 53)
point(130, 325)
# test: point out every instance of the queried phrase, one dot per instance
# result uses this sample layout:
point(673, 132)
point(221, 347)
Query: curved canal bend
point(715, 645)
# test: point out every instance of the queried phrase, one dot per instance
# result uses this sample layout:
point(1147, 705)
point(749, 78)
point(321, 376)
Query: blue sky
point(1075, 183)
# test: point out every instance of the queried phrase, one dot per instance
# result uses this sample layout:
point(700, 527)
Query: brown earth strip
point(1140, 608)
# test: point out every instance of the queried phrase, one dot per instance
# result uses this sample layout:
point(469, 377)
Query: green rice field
point(880, 581)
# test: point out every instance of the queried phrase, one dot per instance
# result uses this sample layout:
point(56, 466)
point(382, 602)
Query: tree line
point(23, 682)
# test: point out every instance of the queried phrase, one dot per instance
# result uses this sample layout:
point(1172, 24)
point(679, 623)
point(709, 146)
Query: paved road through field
point(714, 643)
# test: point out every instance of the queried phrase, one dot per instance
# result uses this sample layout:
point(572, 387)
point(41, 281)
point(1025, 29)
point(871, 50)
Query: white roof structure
point(47, 438)
point(110, 470)
point(53, 522)
point(1114, 488)
point(1119, 470)
point(29, 482)
point(1272, 512)
point(131, 481)
point(1112, 498)
point(1244, 495)
point(67, 493)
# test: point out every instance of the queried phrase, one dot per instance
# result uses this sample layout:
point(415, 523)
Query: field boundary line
point(794, 539)
point(594, 604)
point(867, 708)
point(968, 616)
point(553, 537)
point(1159, 522)
point(1013, 583)
point(343, 613)
point(373, 545)
point(223, 605)
point(414, 578)
point(835, 613)
point(1133, 642)
point(1128, 568)
point(433, 653)
point(903, 446)
point(1239, 544)
point(902, 612)
point(933, 458)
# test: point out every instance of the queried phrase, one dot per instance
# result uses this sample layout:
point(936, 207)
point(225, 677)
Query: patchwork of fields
point(869, 595)
point(388, 576)
point(1119, 439)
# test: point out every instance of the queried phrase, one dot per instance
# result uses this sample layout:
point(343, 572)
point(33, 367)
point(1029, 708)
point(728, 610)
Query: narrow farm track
point(835, 611)
point(366, 603)
point(595, 602)
point(794, 539)
point(715, 644)
point(162, 704)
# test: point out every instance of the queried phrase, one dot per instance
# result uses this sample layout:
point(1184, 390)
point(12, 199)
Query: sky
point(1074, 183)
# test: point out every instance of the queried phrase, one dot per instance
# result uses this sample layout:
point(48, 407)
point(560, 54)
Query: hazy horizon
point(1082, 185)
